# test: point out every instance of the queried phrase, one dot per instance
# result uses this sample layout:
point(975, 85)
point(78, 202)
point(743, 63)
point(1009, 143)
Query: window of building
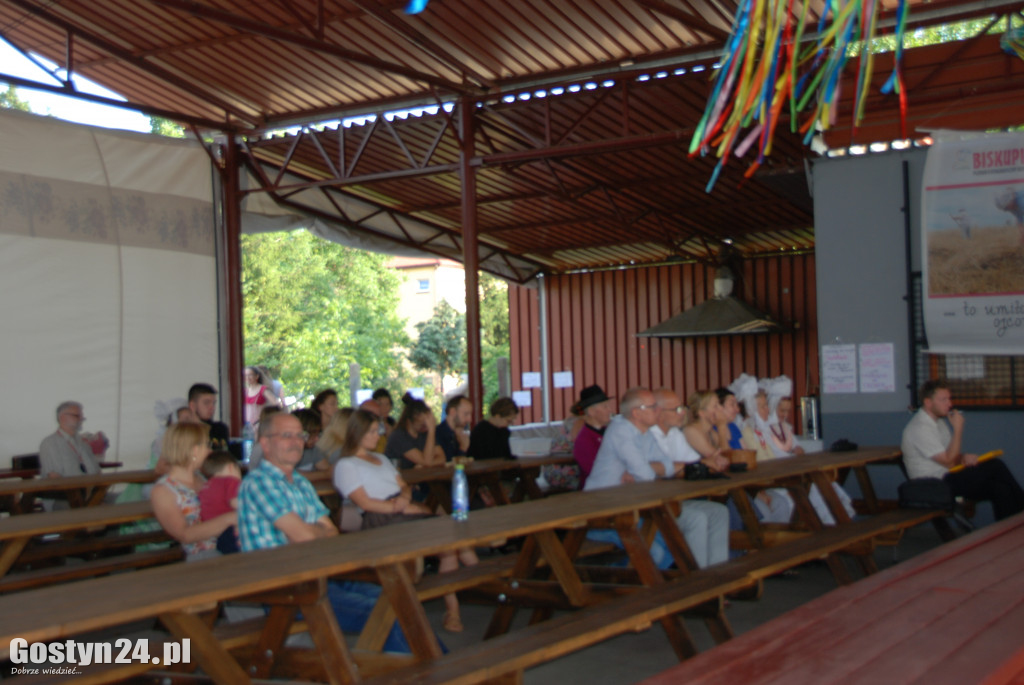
point(423, 285)
point(981, 381)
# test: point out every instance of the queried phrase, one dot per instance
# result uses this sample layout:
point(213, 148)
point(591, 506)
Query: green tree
point(313, 307)
point(441, 346)
point(11, 99)
point(494, 335)
point(166, 127)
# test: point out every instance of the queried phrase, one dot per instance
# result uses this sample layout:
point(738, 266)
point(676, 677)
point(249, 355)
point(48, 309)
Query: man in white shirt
point(931, 447)
point(622, 457)
point(704, 524)
point(65, 453)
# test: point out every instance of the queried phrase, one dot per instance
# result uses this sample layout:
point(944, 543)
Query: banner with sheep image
point(972, 243)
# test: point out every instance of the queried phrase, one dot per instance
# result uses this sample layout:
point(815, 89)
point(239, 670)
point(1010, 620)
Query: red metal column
point(470, 255)
point(232, 317)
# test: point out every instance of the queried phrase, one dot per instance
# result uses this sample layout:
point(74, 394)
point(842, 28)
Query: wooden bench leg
point(674, 540)
point(639, 554)
point(714, 619)
point(751, 525)
point(828, 493)
point(561, 566)
point(12, 550)
point(398, 587)
point(805, 510)
point(275, 630)
point(867, 489)
point(323, 628)
point(213, 658)
point(378, 626)
point(526, 564)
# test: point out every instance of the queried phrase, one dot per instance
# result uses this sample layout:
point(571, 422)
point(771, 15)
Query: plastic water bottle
point(460, 494)
point(248, 437)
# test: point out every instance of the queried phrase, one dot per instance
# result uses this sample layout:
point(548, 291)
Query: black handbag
point(926, 493)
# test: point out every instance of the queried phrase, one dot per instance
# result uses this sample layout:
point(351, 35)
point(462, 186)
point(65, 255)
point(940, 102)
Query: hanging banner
point(972, 242)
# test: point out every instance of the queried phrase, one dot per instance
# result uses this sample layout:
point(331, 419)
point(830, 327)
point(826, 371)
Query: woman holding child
point(374, 485)
point(175, 499)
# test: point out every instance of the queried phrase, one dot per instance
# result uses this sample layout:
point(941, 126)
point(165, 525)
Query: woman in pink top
point(596, 408)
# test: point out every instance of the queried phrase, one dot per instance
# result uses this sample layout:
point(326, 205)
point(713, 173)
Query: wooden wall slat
point(593, 319)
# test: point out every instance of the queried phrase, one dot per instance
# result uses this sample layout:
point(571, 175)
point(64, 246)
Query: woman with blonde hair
point(174, 497)
point(333, 437)
point(703, 412)
point(372, 482)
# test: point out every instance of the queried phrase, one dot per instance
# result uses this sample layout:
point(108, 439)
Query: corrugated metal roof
point(584, 109)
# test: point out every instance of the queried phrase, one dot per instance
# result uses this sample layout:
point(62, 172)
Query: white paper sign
point(563, 379)
point(877, 373)
point(838, 368)
point(531, 379)
point(522, 398)
point(363, 395)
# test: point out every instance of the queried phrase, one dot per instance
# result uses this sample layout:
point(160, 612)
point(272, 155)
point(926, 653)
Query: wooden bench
point(23, 545)
point(952, 615)
point(551, 639)
point(79, 491)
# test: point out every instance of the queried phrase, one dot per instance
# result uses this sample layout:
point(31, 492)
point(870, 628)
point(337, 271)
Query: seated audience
point(220, 495)
point(278, 506)
point(202, 400)
point(387, 405)
point(699, 430)
point(333, 437)
point(489, 438)
point(325, 403)
point(175, 499)
point(65, 452)
point(704, 524)
point(932, 445)
point(374, 485)
point(452, 434)
point(413, 442)
point(596, 408)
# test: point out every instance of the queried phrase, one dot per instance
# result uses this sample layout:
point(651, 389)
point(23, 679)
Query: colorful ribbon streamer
point(768, 65)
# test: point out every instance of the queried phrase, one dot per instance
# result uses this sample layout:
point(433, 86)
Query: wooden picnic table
point(80, 491)
point(292, 577)
point(487, 474)
point(952, 615)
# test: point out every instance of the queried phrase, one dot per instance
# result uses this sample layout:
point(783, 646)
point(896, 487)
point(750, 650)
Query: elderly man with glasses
point(66, 453)
point(278, 506)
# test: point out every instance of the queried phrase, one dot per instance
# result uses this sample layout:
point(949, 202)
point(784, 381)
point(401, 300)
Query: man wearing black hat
point(596, 408)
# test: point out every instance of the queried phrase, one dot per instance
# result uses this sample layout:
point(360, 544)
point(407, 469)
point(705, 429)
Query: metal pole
point(354, 383)
point(470, 256)
point(545, 380)
point(232, 235)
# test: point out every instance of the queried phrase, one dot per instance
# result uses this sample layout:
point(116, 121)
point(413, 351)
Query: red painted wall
point(593, 319)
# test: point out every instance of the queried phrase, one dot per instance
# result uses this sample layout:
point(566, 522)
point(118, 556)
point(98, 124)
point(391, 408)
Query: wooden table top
point(952, 615)
point(17, 487)
point(64, 610)
point(73, 519)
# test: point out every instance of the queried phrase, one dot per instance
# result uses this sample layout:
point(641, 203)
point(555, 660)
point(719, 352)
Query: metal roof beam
point(309, 43)
point(693, 21)
point(127, 56)
point(123, 104)
point(403, 29)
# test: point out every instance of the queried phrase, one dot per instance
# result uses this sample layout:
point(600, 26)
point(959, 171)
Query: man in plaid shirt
point(277, 506)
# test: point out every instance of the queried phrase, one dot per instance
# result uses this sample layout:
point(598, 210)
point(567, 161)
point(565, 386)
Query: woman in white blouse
point(374, 485)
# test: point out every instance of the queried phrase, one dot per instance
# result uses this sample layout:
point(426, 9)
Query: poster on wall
point(972, 242)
